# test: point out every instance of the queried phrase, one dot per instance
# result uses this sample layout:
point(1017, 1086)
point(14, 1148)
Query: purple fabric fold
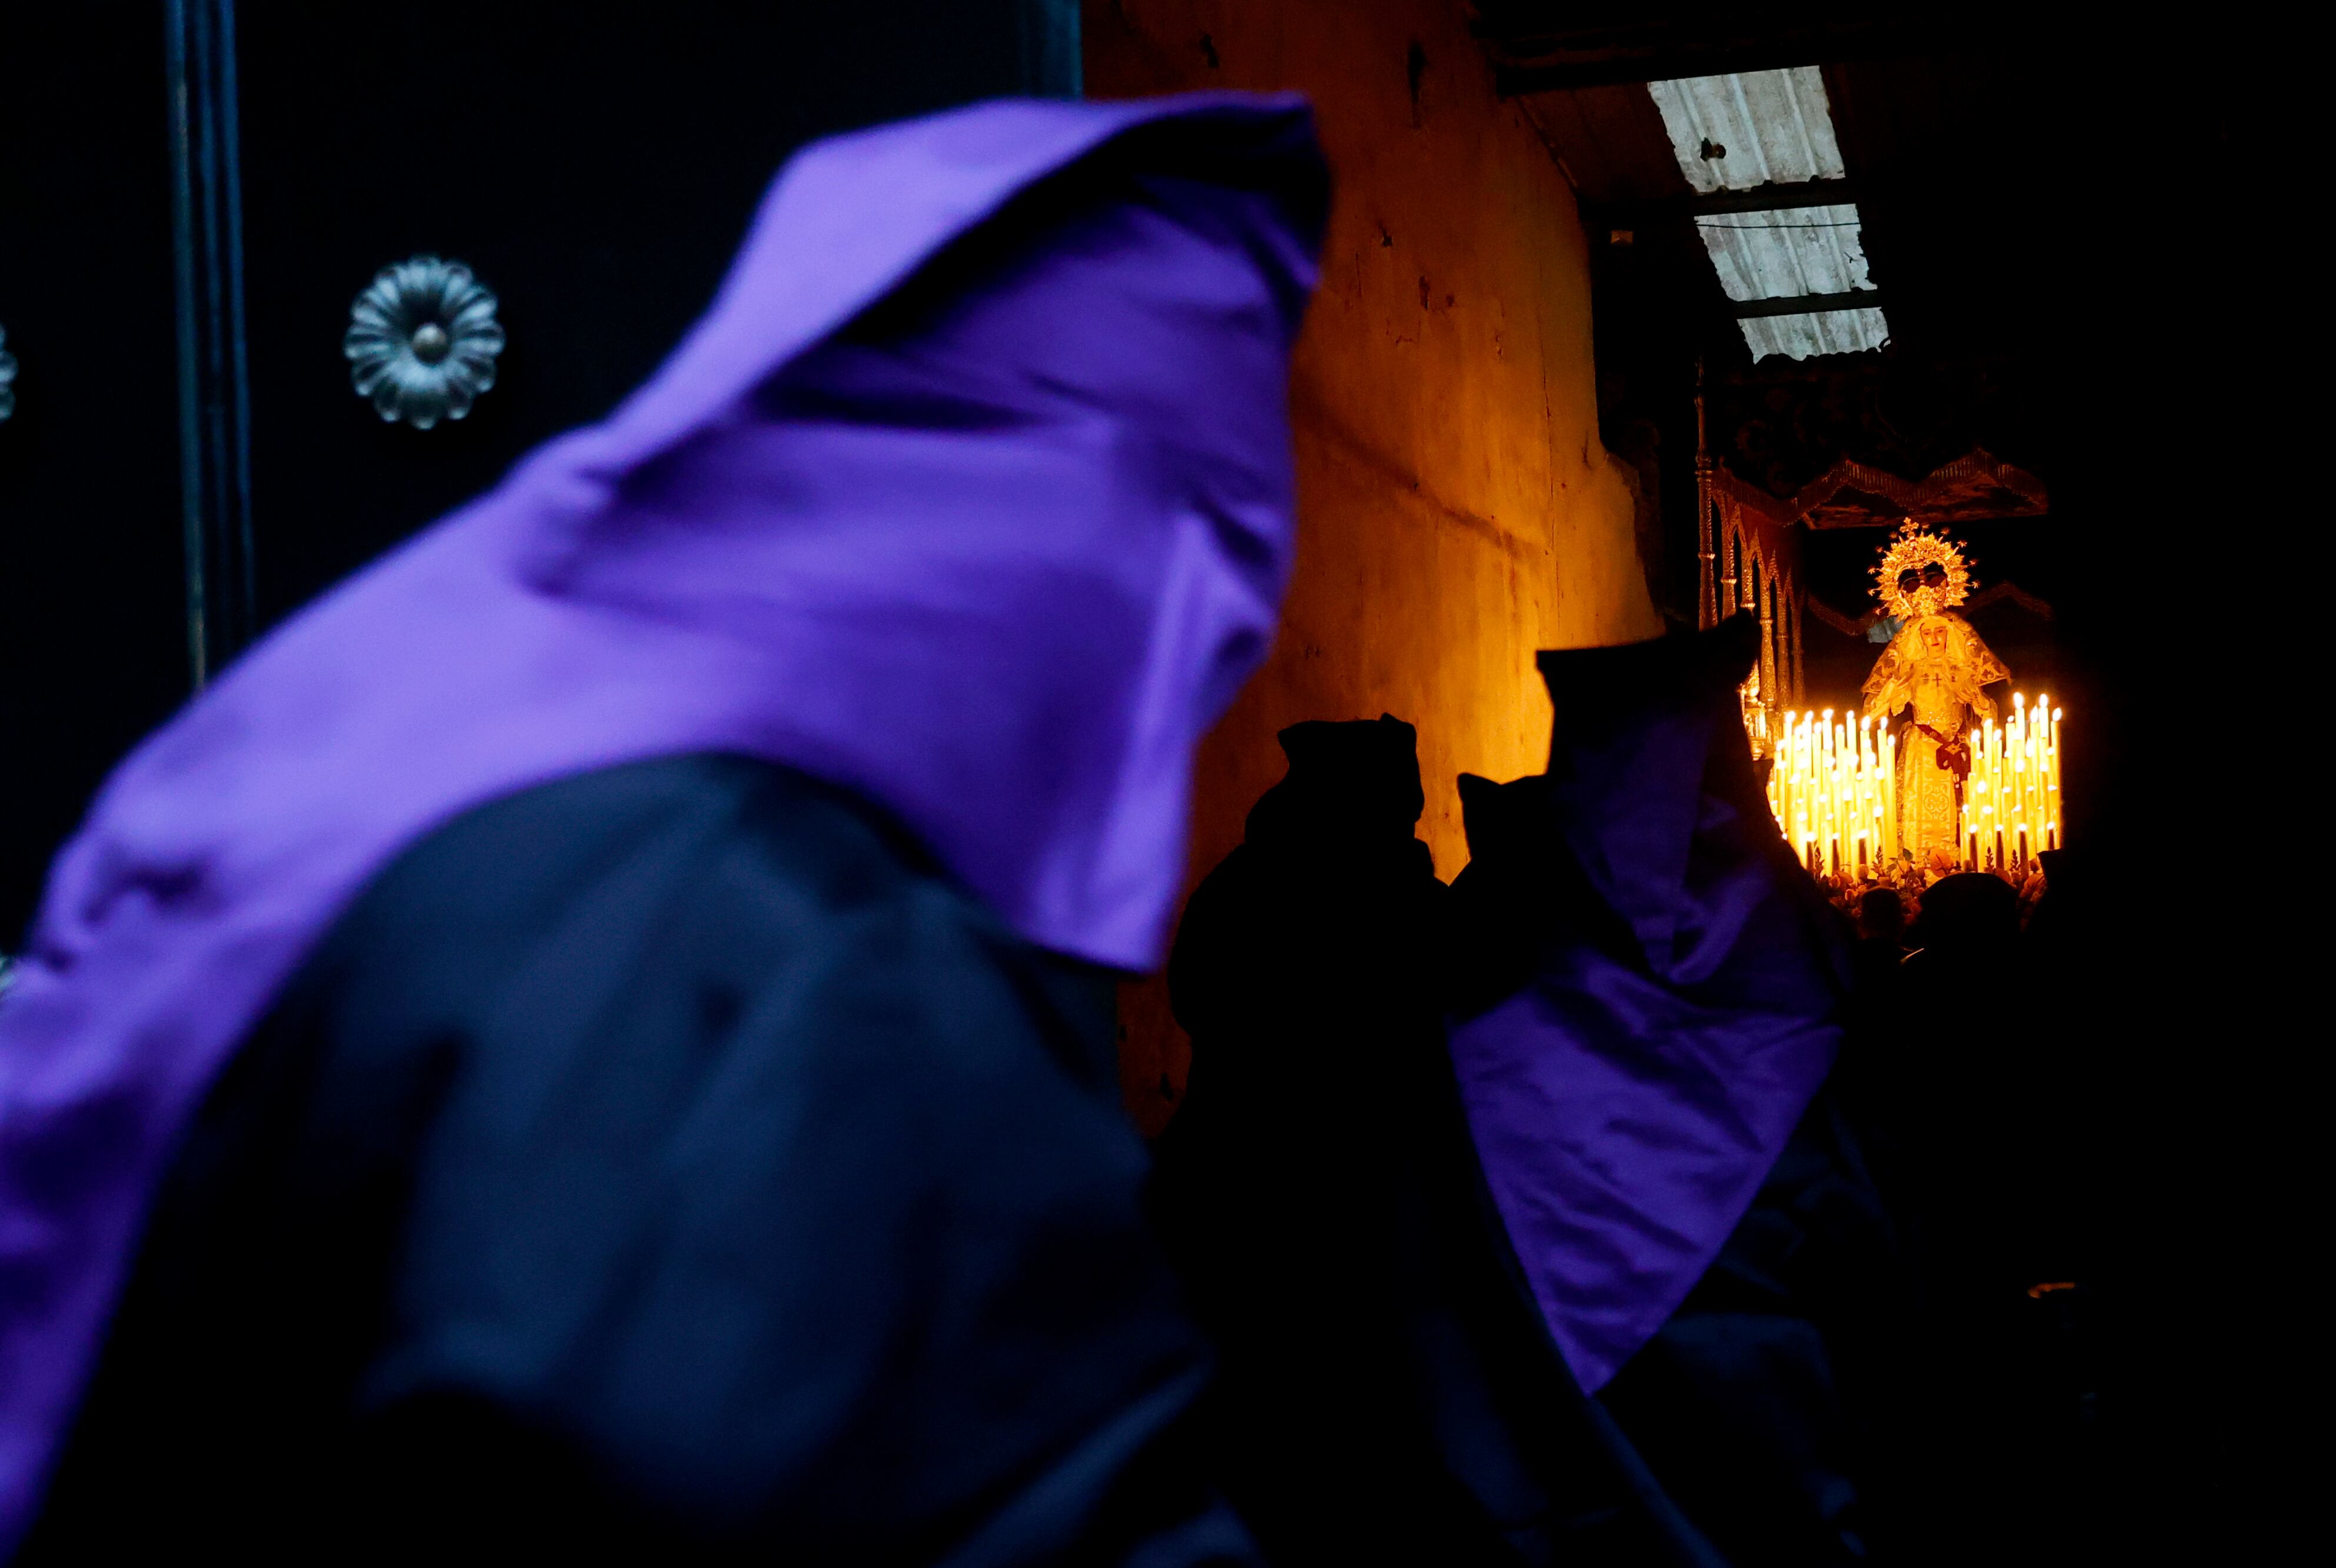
point(1628, 1101)
point(971, 491)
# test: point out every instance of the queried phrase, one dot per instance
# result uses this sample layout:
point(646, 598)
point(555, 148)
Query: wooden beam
point(1805, 304)
point(1775, 198)
point(1772, 198)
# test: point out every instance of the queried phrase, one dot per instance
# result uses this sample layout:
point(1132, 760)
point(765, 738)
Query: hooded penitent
point(1294, 1185)
point(1661, 1000)
point(985, 529)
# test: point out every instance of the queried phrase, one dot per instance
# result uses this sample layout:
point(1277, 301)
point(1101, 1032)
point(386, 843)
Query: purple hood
point(972, 492)
point(1630, 1097)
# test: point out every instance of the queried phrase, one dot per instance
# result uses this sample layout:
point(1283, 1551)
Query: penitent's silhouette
point(1521, 892)
point(1303, 967)
point(1388, 1394)
point(1304, 970)
point(1647, 995)
point(1952, 1106)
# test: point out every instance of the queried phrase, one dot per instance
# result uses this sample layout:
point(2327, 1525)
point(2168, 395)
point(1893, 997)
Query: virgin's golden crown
point(1917, 547)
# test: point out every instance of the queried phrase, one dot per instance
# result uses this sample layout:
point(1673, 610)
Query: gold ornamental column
point(1800, 692)
point(1729, 545)
point(1707, 603)
point(1768, 664)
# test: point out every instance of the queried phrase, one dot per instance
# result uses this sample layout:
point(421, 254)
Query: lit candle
point(2040, 718)
point(2015, 740)
point(2052, 781)
point(1889, 743)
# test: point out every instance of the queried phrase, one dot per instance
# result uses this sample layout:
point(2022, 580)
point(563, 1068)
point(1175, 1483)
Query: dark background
point(595, 166)
point(93, 591)
point(2097, 210)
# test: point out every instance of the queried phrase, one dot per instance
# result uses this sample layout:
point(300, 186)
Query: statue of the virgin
point(1937, 666)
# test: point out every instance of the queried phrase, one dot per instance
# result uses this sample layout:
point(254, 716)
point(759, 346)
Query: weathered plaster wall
point(1456, 511)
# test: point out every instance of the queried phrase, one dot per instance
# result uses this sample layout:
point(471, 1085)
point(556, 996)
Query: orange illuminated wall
point(1456, 511)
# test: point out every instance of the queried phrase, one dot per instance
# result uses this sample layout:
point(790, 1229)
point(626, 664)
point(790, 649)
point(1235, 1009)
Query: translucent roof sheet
point(1797, 250)
point(1824, 332)
point(1763, 126)
point(1738, 132)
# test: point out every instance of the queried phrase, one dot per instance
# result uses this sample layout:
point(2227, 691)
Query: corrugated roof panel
point(1784, 254)
point(1772, 255)
point(1753, 128)
point(1775, 125)
point(1824, 332)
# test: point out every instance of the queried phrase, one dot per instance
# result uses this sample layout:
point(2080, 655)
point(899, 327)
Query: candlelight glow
point(1833, 790)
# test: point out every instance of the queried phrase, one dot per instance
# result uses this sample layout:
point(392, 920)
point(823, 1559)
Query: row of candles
point(1834, 787)
point(2011, 802)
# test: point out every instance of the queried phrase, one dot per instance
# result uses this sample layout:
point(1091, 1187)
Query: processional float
point(1924, 779)
point(1928, 777)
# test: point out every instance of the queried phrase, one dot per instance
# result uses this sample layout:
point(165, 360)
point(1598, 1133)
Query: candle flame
point(1836, 783)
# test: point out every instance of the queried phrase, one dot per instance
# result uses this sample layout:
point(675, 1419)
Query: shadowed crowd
point(1885, 1361)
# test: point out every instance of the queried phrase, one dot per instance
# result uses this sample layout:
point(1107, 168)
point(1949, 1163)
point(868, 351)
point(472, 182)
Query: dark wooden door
point(93, 636)
point(595, 167)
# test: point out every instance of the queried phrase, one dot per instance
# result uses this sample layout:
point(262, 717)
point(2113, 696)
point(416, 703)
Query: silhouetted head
point(1519, 888)
point(1882, 915)
point(2057, 875)
point(1598, 691)
point(1504, 819)
point(1347, 779)
point(1969, 912)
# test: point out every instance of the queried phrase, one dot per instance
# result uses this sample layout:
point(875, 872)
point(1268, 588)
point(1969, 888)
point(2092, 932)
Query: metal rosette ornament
point(422, 341)
point(1915, 549)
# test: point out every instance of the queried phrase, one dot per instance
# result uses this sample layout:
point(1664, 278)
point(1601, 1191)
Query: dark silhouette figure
point(1745, 1417)
point(1952, 1051)
point(1518, 892)
point(2057, 923)
point(1304, 966)
point(1303, 971)
point(1969, 914)
point(1965, 1111)
point(1866, 1048)
point(1753, 1406)
point(1386, 1394)
point(2053, 1362)
point(1882, 925)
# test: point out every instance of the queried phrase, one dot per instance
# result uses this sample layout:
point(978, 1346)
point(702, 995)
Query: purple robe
point(971, 493)
point(1629, 1099)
